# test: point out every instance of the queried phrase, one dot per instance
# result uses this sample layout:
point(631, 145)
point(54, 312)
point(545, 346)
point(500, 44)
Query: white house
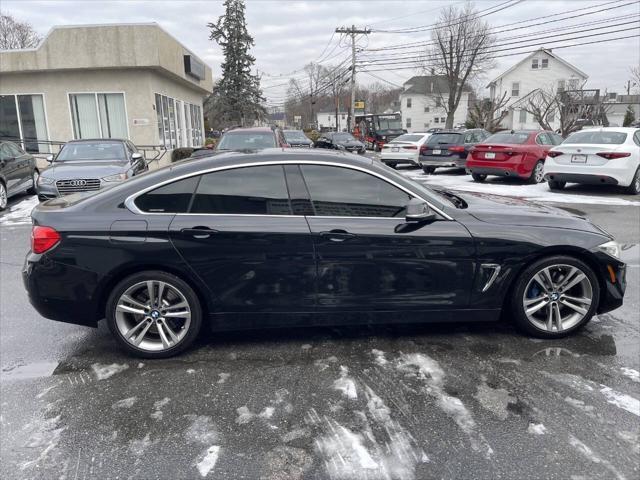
point(421, 103)
point(327, 120)
point(540, 70)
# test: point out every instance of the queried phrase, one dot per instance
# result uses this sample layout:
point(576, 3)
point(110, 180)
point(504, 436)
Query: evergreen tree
point(237, 94)
point(629, 117)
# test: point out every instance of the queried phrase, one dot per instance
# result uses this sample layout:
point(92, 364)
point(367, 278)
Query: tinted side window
point(636, 137)
point(171, 198)
point(250, 190)
point(13, 150)
point(342, 192)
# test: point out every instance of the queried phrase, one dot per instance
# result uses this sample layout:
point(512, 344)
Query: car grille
point(77, 185)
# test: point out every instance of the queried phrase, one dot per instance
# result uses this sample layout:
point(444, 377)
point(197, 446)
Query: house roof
point(537, 52)
point(429, 84)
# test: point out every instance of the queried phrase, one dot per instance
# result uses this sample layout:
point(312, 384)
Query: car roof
point(249, 129)
point(101, 140)
point(609, 129)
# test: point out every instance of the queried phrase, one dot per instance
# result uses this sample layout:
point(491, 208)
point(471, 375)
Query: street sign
point(358, 105)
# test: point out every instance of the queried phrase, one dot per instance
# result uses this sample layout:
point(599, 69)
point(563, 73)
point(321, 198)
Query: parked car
point(515, 153)
point(89, 165)
point(449, 148)
point(340, 141)
point(18, 172)
point(404, 150)
point(297, 138)
point(251, 138)
point(601, 156)
point(285, 237)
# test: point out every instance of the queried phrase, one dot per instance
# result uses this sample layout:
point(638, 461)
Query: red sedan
point(515, 153)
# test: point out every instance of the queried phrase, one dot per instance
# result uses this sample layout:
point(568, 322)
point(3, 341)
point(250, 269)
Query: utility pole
point(353, 31)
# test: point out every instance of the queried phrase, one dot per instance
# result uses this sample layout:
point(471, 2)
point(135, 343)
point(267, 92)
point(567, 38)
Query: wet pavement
point(391, 402)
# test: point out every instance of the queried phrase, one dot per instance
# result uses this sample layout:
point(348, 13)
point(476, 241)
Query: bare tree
point(460, 53)
point(15, 34)
point(488, 113)
point(634, 81)
point(575, 108)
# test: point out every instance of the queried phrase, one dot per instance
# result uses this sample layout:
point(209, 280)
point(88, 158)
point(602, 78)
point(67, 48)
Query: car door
point(370, 258)
point(241, 238)
point(11, 163)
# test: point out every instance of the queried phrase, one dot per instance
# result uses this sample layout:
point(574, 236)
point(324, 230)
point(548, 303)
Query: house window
point(438, 102)
point(436, 120)
point(545, 63)
point(98, 115)
point(534, 63)
point(408, 103)
point(426, 109)
point(515, 89)
point(573, 84)
point(179, 123)
point(443, 119)
point(408, 123)
point(560, 85)
point(22, 120)
point(613, 96)
point(523, 116)
point(328, 118)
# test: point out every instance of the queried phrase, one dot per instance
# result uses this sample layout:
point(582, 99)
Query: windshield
point(407, 138)
point(247, 141)
point(597, 137)
point(92, 151)
point(509, 138)
point(295, 135)
point(442, 138)
point(342, 137)
point(389, 123)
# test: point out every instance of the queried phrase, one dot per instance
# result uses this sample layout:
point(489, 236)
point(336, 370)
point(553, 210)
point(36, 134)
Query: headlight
point(610, 248)
point(45, 180)
point(118, 177)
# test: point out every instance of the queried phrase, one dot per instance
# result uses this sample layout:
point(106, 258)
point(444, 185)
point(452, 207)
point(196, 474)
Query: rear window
point(508, 138)
point(441, 138)
point(247, 141)
point(407, 138)
point(597, 137)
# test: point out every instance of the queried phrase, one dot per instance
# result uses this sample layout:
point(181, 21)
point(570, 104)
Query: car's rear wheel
point(537, 174)
point(4, 198)
point(634, 188)
point(154, 314)
point(428, 170)
point(555, 296)
point(556, 185)
point(34, 178)
point(478, 177)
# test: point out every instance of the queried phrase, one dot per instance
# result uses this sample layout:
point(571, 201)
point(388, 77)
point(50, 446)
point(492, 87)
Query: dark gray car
point(340, 141)
point(87, 165)
point(18, 172)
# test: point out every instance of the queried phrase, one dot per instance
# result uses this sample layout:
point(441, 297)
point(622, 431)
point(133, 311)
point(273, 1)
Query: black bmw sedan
point(286, 237)
point(340, 141)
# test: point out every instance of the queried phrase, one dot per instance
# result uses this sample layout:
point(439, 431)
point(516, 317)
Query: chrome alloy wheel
point(153, 315)
point(538, 172)
point(557, 298)
point(3, 196)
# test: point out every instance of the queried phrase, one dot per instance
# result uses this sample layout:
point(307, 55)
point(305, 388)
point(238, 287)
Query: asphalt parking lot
point(390, 402)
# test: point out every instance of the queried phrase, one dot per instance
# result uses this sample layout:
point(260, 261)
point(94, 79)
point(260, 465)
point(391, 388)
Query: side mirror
point(136, 157)
point(50, 158)
point(419, 211)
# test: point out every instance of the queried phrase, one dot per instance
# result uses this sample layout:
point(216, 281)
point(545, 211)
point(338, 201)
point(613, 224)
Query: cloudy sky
point(288, 34)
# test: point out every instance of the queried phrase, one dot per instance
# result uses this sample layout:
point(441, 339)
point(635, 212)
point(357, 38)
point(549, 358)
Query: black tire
point(634, 188)
point(428, 170)
point(556, 185)
point(537, 174)
point(34, 188)
point(516, 306)
point(185, 289)
point(479, 177)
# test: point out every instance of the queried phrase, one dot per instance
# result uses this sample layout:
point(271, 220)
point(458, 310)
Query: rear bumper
point(616, 172)
point(590, 179)
point(442, 161)
point(501, 169)
point(61, 292)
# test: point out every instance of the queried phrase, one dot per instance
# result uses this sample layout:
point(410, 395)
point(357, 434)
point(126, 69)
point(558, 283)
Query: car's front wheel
point(154, 314)
point(537, 174)
point(555, 296)
point(34, 185)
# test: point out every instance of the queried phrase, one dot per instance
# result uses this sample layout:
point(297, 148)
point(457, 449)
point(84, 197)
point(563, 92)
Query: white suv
point(602, 155)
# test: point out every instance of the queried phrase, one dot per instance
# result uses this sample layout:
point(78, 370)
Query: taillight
point(612, 155)
point(43, 239)
point(554, 154)
point(410, 147)
point(423, 149)
point(457, 149)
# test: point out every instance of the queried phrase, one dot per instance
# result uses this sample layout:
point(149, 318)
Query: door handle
point(337, 235)
point(198, 232)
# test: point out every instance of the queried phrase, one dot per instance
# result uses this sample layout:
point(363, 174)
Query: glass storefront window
point(98, 115)
point(22, 119)
point(179, 122)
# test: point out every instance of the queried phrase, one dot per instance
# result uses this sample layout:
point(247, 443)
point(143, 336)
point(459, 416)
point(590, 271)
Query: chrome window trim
point(132, 207)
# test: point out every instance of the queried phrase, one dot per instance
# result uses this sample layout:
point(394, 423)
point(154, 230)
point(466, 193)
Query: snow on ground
point(20, 212)
point(513, 188)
